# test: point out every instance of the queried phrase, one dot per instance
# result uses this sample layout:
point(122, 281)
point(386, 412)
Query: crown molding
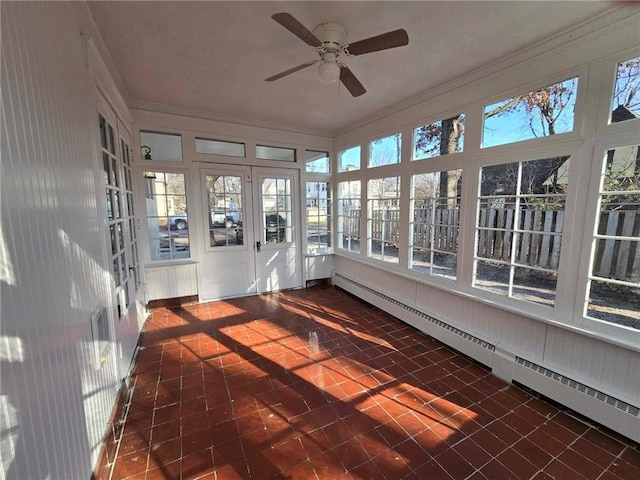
point(608, 20)
point(138, 104)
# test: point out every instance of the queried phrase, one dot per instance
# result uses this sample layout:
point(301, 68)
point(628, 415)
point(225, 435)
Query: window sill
point(625, 339)
point(169, 263)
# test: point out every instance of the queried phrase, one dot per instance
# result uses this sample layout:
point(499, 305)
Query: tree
point(626, 92)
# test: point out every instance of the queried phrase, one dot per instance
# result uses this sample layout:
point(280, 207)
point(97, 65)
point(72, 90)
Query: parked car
point(275, 229)
point(178, 222)
point(219, 217)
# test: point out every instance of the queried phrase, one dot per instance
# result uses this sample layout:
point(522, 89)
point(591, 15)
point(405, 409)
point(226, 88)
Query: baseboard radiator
point(603, 408)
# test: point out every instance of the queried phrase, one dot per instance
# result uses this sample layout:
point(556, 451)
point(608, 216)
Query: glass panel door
point(278, 256)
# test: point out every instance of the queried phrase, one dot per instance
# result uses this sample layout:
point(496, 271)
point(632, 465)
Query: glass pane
point(544, 112)
point(349, 159)
point(317, 162)
point(115, 177)
point(225, 210)
point(219, 147)
point(614, 303)
point(112, 142)
point(435, 199)
point(116, 272)
point(493, 277)
point(626, 93)
point(277, 209)
point(318, 218)
point(106, 169)
point(120, 232)
point(162, 147)
point(103, 131)
point(434, 263)
point(275, 153)
point(439, 138)
point(383, 218)
point(349, 212)
point(167, 220)
point(116, 204)
point(385, 151)
point(114, 240)
point(535, 286)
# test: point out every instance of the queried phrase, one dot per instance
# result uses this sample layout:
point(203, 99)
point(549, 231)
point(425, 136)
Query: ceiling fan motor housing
point(331, 35)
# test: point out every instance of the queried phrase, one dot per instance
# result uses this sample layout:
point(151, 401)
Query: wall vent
point(418, 313)
point(581, 387)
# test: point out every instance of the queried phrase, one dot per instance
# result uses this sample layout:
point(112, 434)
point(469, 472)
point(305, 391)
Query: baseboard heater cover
point(586, 400)
point(581, 387)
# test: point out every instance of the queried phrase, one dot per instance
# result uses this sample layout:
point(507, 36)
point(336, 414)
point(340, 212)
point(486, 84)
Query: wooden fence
point(537, 245)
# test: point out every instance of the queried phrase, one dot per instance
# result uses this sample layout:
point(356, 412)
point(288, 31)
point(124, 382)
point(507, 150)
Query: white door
point(250, 234)
point(278, 258)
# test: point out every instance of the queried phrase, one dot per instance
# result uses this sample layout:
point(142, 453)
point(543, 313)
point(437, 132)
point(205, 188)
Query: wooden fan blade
point(295, 27)
point(350, 81)
point(396, 38)
point(290, 71)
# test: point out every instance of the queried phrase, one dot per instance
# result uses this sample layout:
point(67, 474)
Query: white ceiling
point(213, 57)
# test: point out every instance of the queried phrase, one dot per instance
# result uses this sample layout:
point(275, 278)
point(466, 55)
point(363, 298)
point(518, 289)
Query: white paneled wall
point(172, 281)
point(55, 401)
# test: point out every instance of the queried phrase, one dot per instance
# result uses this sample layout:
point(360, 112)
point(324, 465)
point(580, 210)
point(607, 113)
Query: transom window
point(349, 159)
point(544, 112)
point(385, 151)
point(220, 147)
point(626, 93)
point(161, 147)
point(439, 138)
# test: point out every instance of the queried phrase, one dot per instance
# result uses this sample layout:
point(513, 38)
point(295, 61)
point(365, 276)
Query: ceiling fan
point(329, 41)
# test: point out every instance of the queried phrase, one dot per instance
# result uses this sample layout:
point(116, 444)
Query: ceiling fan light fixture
point(329, 72)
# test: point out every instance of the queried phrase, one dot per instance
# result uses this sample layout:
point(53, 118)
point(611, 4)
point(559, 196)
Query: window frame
point(149, 262)
point(600, 328)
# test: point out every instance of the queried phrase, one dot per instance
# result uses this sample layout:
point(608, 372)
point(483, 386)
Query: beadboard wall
point(56, 393)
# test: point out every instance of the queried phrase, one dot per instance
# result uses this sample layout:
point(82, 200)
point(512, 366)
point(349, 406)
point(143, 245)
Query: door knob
point(258, 245)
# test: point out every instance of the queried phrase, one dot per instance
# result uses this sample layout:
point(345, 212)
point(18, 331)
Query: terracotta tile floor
point(316, 384)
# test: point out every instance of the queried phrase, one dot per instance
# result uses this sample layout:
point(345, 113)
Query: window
point(349, 216)
point(317, 162)
point(122, 236)
point(349, 160)
point(224, 215)
point(219, 147)
point(439, 138)
point(614, 283)
point(383, 219)
point(435, 203)
point(132, 219)
point(385, 151)
point(277, 205)
point(544, 112)
point(161, 147)
point(167, 220)
point(519, 229)
point(276, 153)
point(318, 217)
point(626, 93)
